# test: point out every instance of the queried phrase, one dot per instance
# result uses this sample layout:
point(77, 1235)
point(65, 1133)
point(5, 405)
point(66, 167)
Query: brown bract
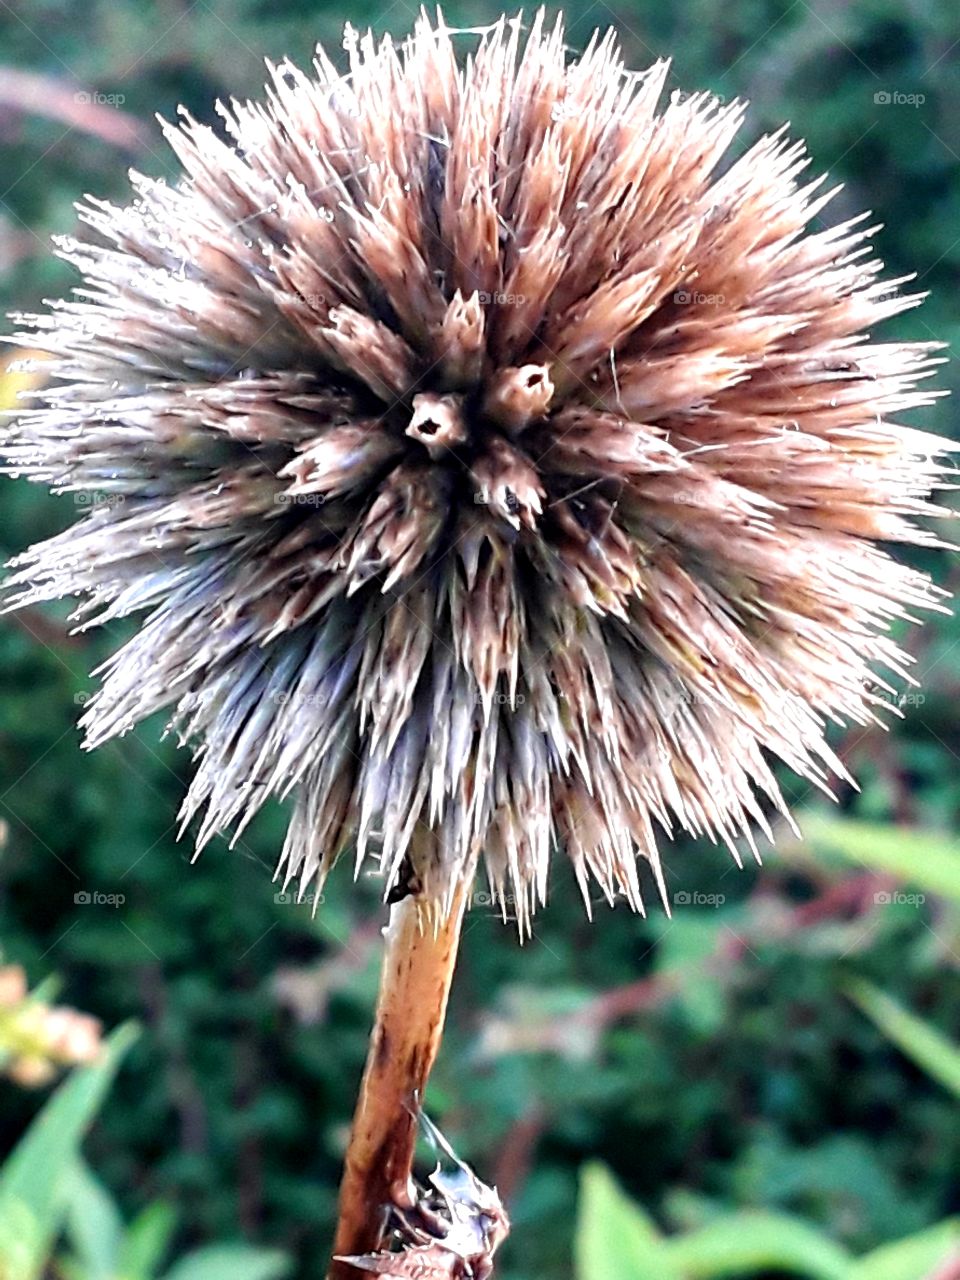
point(496, 461)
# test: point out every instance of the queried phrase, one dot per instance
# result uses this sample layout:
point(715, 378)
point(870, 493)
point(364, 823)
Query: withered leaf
point(424, 1262)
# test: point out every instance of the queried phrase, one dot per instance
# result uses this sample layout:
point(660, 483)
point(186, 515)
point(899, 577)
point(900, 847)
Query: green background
point(712, 1061)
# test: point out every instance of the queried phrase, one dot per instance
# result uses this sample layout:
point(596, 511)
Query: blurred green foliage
point(712, 1061)
point(51, 1205)
point(616, 1240)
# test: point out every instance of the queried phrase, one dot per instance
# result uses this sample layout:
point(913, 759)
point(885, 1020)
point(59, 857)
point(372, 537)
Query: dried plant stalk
point(418, 964)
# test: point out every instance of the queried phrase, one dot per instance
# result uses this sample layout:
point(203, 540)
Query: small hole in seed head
point(428, 427)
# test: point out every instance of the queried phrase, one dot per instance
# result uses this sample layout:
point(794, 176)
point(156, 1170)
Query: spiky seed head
point(496, 463)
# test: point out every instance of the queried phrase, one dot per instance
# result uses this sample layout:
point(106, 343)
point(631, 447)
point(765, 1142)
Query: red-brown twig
point(417, 971)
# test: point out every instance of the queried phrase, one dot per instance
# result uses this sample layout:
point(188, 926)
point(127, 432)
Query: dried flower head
point(497, 463)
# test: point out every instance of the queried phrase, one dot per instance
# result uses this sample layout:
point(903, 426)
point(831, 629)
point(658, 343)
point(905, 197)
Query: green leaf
point(924, 858)
point(147, 1240)
point(93, 1223)
point(32, 1182)
point(230, 1262)
point(615, 1239)
point(745, 1243)
point(928, 1048)
point(918, 1255)
point(22, 1240)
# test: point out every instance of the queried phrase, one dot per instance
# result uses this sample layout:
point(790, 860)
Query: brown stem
point(415, 982)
